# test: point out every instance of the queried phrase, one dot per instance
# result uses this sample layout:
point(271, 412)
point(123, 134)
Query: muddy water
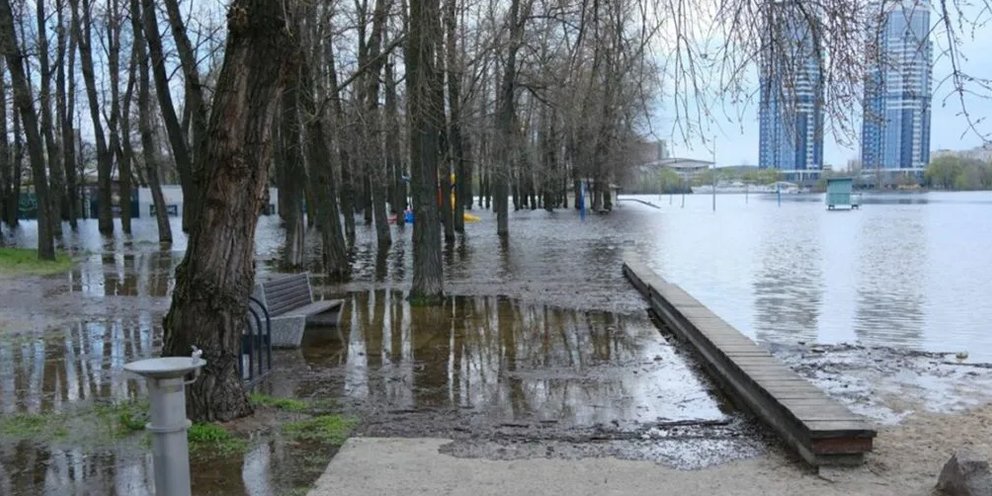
point(498, 362)
point(501, 376)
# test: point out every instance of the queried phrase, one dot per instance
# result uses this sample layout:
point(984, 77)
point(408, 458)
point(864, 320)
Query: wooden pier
point(821, 430)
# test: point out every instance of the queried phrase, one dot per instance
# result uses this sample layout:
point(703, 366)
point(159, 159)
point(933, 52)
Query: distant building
point(791, 95)
point(895, 134)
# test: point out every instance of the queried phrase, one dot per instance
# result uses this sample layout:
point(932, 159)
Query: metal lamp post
point(167, 394)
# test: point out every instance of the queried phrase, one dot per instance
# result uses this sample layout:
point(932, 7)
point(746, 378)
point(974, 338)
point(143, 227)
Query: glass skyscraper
point(791, 94)
point(895, 134)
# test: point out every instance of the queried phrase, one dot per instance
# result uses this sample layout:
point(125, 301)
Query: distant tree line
point(958, 173)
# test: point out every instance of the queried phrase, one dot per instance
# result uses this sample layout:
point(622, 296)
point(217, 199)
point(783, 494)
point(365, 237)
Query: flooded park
point(541, 349)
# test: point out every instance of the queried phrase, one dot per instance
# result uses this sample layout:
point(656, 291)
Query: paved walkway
point(391, 466)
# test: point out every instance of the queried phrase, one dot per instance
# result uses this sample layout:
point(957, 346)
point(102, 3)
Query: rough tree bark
point(177, 139)
point(81, 27)
point(422, 82)
point(25, 104)
point(216, 276)
point(146, 129)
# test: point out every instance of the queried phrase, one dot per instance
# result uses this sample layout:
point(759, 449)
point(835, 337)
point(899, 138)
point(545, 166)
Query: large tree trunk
point(177, 139)
point(335, 252)
point(64, 114)
point(54, 156)
point(424, 129)
point(81, 26)
point(146, 129)
point(25, 103)
point(216, 276)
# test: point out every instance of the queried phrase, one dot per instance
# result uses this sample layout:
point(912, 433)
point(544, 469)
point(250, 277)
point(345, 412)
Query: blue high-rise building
point(895, 133)
point(791, 94)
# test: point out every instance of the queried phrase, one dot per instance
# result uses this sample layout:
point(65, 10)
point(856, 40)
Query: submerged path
point(822, 430)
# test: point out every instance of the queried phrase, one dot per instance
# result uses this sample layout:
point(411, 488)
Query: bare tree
point(64, 113)
point(25, 103)
point(81, 28)
point(180, 147)
point(423, 109)
point(145, 128)
point(216, 276)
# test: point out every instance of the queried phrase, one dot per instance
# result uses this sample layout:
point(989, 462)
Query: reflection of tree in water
point(891, 286)
point(789, 288)
point(44, 372)
point(495, 356)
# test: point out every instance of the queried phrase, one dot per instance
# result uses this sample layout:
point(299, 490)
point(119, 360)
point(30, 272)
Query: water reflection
point(502, 360)
point(43, 372)
point(788, 287)
point(892, 281)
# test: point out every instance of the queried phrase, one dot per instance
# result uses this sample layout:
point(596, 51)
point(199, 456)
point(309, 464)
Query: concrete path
point(391, 466)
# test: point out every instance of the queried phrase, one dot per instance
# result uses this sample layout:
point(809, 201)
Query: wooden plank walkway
point(821, 430)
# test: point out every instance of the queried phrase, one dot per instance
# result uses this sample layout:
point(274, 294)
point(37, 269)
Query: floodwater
point(907, 270)
point(541, 349)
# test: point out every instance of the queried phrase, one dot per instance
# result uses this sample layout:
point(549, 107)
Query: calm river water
point(907, 270)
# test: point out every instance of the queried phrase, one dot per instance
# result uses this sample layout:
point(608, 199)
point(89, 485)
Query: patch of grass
point(288, 404)
point(330, 429)
point(20, 261)
point(124, 417)
point(38, 426)
point(214, 439)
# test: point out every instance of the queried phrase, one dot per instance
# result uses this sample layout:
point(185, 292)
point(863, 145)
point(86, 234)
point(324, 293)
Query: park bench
point(289, 301)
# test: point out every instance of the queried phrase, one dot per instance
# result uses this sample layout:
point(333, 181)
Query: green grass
point(214, 439)
point(330, 429)
point(39, 426)
point(20, 261)
point(124, 417)
point(287, 404)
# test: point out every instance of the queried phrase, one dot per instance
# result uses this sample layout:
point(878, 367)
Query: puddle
point(489, 372)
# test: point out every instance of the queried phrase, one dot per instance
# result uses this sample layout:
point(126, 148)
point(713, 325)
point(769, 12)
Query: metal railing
point(256, 343)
